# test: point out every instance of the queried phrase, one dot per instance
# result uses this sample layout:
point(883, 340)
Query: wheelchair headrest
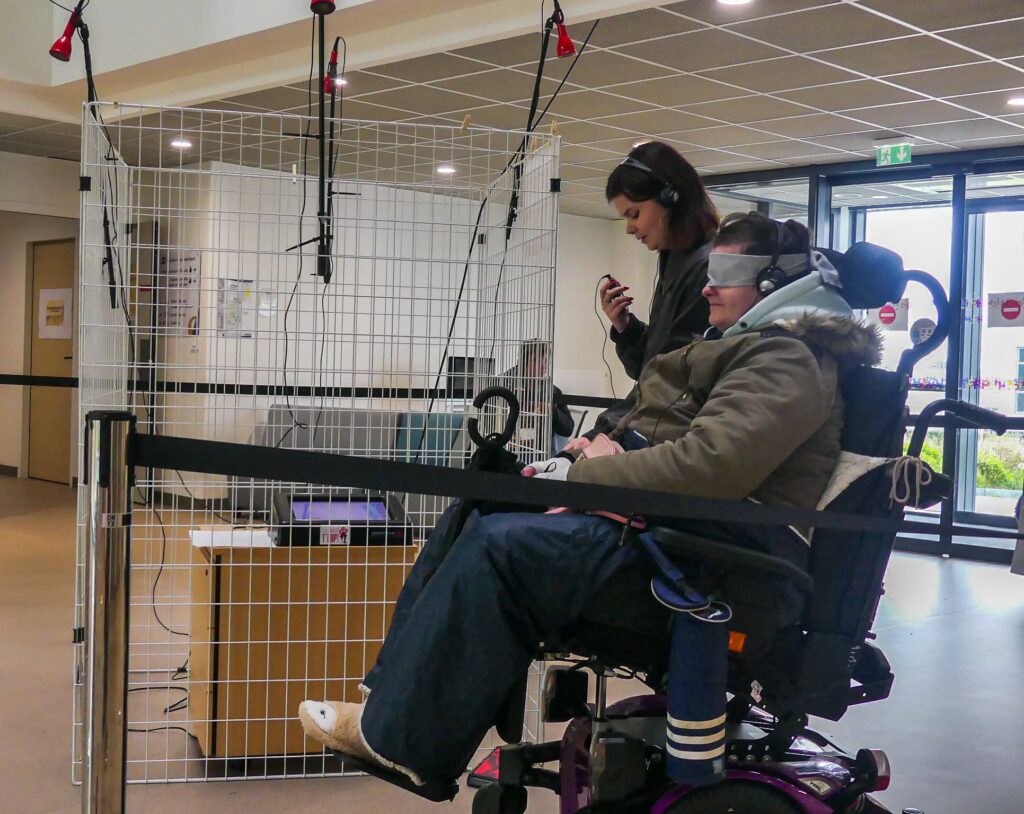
point(871, 275)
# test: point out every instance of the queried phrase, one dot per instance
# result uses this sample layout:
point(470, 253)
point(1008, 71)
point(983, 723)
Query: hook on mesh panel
point(494, 438)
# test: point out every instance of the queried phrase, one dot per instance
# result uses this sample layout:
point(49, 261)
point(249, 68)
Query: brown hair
point(759, 234)
point(695, 213)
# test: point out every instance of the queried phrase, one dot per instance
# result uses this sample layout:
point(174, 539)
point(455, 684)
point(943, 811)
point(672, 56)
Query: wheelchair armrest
point(684, 544)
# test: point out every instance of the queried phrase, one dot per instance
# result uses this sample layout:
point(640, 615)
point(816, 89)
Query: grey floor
point(954, 632)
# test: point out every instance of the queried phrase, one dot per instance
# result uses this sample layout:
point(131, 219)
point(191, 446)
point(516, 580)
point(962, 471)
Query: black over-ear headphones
point(771, 278)
point(668, 195)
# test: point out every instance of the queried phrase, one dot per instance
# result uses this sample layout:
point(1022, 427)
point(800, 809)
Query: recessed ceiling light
point(879, 197)
point(446, 169)
point(181, 143)
point(340, 81)
point(1015, 101)
point(734, 2)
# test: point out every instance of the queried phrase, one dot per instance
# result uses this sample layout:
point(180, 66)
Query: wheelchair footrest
point(435, 791)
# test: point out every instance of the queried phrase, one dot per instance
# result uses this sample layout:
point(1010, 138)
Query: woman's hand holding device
point(614, 302)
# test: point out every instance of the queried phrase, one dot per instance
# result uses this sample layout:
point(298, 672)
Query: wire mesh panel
point(218, 303)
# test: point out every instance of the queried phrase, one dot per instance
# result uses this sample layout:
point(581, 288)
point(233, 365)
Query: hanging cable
point(517, 155)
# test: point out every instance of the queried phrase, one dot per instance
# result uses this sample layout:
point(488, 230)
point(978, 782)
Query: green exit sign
point(890, 155)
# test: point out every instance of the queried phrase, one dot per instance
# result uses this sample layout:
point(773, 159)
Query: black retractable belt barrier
point(330, 469)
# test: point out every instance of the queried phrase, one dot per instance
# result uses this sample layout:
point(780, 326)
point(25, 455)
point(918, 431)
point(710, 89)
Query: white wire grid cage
point(202, 313)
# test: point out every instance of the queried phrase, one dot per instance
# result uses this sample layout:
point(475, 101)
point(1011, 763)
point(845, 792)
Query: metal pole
point(108, 476)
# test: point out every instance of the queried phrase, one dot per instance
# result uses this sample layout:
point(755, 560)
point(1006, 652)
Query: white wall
point(40, 186)
point(587, 249)
point(130, 33)
point(17, 233)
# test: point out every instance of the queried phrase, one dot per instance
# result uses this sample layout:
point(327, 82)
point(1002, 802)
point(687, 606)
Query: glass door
point(990, 467)
point(914, 219)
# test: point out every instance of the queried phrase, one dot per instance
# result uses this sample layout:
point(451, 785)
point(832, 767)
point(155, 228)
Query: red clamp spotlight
point(565, 46)
point(322, 6)
point(332, 71)
point(62, 47)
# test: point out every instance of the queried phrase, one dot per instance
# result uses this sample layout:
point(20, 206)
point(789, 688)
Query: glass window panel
point(776, 199)
point(998, 461)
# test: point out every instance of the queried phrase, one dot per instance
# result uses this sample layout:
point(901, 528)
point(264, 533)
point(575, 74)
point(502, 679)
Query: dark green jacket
point(757, 415)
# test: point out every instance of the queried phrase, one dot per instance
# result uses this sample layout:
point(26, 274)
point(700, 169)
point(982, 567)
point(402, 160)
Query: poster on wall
point(178, 296)
point(893, 316)
point(236, 308)
point(1006, 310)
point(55, 313)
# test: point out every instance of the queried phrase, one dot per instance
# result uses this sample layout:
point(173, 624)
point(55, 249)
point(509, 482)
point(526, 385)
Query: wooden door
point(53, 285)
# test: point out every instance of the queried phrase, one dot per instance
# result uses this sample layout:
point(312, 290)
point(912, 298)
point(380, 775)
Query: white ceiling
point(772, 84)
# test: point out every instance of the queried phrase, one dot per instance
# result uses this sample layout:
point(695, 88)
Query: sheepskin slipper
point(337, 725)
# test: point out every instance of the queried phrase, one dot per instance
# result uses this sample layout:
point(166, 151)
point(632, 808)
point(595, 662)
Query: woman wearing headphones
point(666, 207)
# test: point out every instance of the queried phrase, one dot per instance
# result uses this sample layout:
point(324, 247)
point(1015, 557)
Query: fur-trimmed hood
point(847, 340)
point(815, 312)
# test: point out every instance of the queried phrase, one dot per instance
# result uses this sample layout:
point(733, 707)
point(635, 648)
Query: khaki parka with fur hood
point(756, 413)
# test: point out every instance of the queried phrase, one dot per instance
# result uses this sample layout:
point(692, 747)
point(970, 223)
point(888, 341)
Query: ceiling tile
point(620, 146)
point(701, 50)
point(950, 132)
point(965, 79)
point(710, 158)
point(584, 132)
point(512, 51)
point(914, 113)
point(497, 85)
point(423, 99)
point(591, 104)
point(829, 27)
point(25, 148)
point(576, 172)
point(989, 104)
point(897, 56)
point(1002, 39)
point(674, 91)
point(746, 109)
point(653, 122)
point(815, 124)
point(986, 143)
point(723, 136)
point(846, 95)
point(936, 16)
point(713, 12)
point(361, 83)
point(597, 68)
point(286, 98)
point(576, 154)
point(863, 142)
point(780, 74)
point(368, 112)
point(13, 122)
point(783, 150)
point(429, 68)
point(632, 27)
point(44, 137)
point(505, 117)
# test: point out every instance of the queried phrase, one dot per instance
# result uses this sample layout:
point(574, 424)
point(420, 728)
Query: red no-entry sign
point(887, 314)
point(1010, 309)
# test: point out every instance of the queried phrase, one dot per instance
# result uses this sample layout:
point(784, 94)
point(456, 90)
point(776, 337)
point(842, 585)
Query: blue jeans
point(469, 620)
point(462, 635)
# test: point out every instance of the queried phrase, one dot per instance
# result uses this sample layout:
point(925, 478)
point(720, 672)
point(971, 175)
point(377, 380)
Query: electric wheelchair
point(613, 757)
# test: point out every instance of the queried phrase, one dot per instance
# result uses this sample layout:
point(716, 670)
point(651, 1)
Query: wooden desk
point(273, 626)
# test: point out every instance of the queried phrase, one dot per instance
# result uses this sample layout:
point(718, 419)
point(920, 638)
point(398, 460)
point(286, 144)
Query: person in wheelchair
point(751, 411)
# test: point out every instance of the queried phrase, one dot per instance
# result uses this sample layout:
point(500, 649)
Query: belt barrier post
point(109, 474)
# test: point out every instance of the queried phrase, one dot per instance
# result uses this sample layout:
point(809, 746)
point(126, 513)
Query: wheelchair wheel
point(498, 799)
point(735, 798)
